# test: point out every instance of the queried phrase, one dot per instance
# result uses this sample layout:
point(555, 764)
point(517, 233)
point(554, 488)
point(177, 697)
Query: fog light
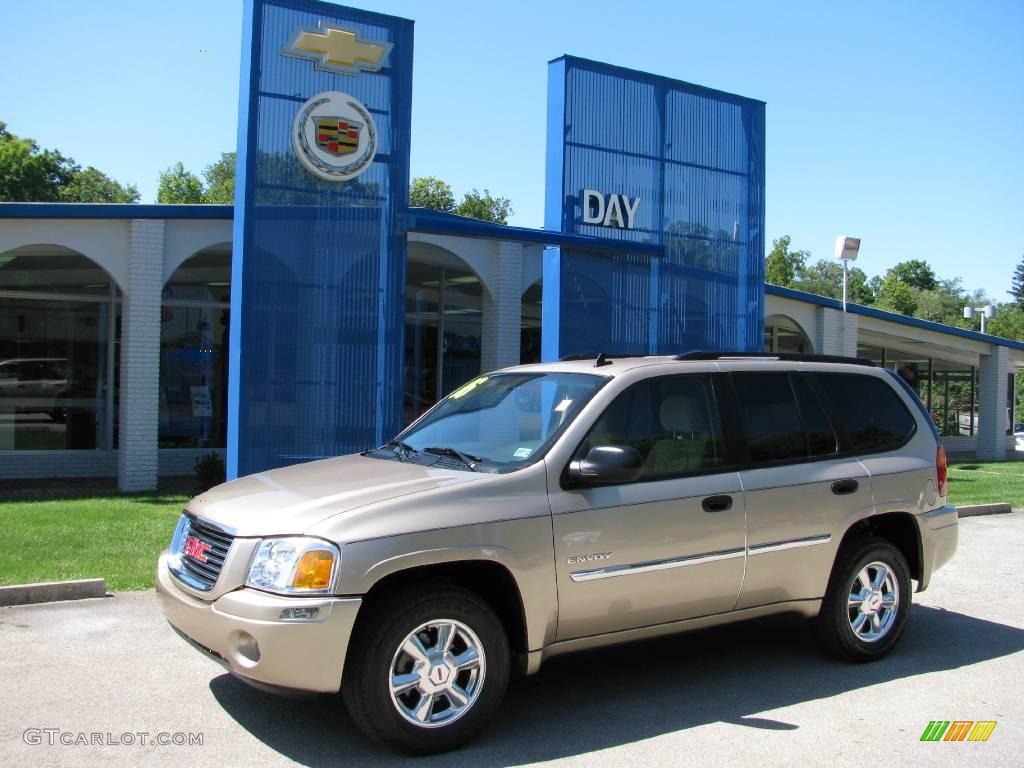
point(248, 647)
point(299, 614)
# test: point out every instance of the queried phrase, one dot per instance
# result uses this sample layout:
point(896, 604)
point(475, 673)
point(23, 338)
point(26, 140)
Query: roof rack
point(796, 357)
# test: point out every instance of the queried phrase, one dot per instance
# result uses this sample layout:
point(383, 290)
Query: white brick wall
point(829, 339)
point(140, 358)
point(502, 309)
point(992, 418)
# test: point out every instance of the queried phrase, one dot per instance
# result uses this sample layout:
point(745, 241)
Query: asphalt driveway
point(759, 694)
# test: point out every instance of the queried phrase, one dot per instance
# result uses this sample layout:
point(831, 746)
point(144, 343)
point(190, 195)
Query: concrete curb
point(973, 510)
point(52, 591)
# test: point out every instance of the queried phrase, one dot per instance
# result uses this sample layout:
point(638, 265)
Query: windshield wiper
point(466, 458)
point(397, 447)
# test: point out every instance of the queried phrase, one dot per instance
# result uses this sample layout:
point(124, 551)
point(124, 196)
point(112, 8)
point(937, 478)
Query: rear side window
point(866, 410)
point(821, 440)
point(770, 417)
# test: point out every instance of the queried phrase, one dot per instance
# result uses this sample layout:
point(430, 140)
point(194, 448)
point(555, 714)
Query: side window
point(769, 416)
point(867, 410)
point(671, 420)
point(821, 440)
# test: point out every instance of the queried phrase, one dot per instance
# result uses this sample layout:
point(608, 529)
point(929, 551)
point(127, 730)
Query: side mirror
point(607, 464)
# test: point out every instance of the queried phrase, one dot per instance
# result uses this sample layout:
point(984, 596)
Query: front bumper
point(246, 635)
point(940, 534)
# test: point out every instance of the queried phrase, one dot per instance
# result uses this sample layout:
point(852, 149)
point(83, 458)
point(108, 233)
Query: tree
point(30, 174)
point(1017, 283)
point(782, 265)
point(1008, 323)
point(914, 273)
point(179, 186)
point(825, 278)
point(897, 296)
point(431, 192)
point(220, 180)
point(93, 186)
point(484, 207)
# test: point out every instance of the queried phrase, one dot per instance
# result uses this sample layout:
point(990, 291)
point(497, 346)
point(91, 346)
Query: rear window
point(866, 411)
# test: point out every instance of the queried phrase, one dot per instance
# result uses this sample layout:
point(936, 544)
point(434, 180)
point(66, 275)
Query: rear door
point(800, 491)
point(666, 547)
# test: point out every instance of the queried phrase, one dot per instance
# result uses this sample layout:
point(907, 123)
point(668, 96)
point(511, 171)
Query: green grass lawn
point(117, 538)
point(987, 483)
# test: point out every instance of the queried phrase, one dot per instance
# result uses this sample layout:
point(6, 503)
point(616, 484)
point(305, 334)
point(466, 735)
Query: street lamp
point(987, 313)
point(847, 249)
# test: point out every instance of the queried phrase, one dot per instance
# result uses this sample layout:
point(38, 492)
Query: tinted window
point(821, 440)
point(672, 421)
point(866, 410)
point(769, 416)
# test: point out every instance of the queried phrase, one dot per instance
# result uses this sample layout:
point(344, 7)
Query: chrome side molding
point(682, 562)
point(779, 546)
point(655, 565)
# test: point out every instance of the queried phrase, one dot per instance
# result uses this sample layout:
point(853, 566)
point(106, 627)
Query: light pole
point(987, 312)
point(847, 249)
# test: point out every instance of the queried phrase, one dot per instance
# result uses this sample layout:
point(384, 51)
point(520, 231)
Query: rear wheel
point(427, 669)
point(867, 604)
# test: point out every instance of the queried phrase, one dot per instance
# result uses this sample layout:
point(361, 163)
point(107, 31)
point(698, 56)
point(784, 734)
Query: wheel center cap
point(874, 601)
point(439, 674)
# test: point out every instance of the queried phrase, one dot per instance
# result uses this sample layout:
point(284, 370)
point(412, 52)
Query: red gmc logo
point(196, 549)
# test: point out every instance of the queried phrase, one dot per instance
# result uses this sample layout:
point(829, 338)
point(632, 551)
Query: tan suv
point(551, 508)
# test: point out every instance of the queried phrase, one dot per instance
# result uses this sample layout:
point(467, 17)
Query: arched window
point(529, 324)
point(59, 350)
point(194, 351)
point(781, 334)
point(443, 311)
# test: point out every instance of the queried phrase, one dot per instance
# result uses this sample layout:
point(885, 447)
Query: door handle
point(717, 503)
point(844, 487)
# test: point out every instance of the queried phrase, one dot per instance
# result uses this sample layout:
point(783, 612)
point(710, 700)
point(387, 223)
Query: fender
point(366, 563)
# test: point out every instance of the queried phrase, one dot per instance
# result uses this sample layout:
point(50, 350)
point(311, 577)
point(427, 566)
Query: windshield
point(496, 423)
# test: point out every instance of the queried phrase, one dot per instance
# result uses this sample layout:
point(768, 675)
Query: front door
point(667, 547)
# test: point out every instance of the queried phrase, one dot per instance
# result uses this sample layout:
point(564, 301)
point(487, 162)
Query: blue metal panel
point(319, 266)
point(689, 274)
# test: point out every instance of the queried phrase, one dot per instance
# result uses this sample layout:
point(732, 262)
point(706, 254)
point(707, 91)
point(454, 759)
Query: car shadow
point(723, 674)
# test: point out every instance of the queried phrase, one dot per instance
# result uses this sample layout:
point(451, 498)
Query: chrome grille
point(198, 552)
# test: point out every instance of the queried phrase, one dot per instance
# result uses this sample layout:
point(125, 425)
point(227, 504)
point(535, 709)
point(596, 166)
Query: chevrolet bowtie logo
point(337, 50)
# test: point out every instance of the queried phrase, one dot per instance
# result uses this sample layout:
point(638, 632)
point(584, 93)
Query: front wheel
point(427, 669)
point(867, 603)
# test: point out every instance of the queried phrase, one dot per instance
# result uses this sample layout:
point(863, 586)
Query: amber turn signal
point(313, 571)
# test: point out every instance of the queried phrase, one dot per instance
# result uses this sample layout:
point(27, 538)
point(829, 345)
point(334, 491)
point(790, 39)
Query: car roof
point(616, 366)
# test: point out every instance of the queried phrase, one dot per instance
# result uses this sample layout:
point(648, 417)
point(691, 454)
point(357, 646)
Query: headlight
point(294, 565)
point(177, 542)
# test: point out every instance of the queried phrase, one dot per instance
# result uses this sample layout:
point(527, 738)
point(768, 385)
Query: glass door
point(442, 333)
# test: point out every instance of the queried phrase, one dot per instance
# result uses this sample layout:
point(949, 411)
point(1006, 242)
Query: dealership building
point(320, 314)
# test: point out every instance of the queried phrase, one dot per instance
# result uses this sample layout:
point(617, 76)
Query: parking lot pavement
point(757, 694)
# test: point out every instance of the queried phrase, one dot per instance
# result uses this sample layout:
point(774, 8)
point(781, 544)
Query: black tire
point(834, 623)
point(381, 630)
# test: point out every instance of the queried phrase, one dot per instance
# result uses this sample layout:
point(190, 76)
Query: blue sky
point(902, 123)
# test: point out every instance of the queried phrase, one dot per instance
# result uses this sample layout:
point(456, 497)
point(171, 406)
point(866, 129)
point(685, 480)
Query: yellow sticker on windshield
point(465, 389)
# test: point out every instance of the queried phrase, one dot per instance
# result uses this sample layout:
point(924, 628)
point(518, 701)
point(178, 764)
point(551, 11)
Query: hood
point(290, 500)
